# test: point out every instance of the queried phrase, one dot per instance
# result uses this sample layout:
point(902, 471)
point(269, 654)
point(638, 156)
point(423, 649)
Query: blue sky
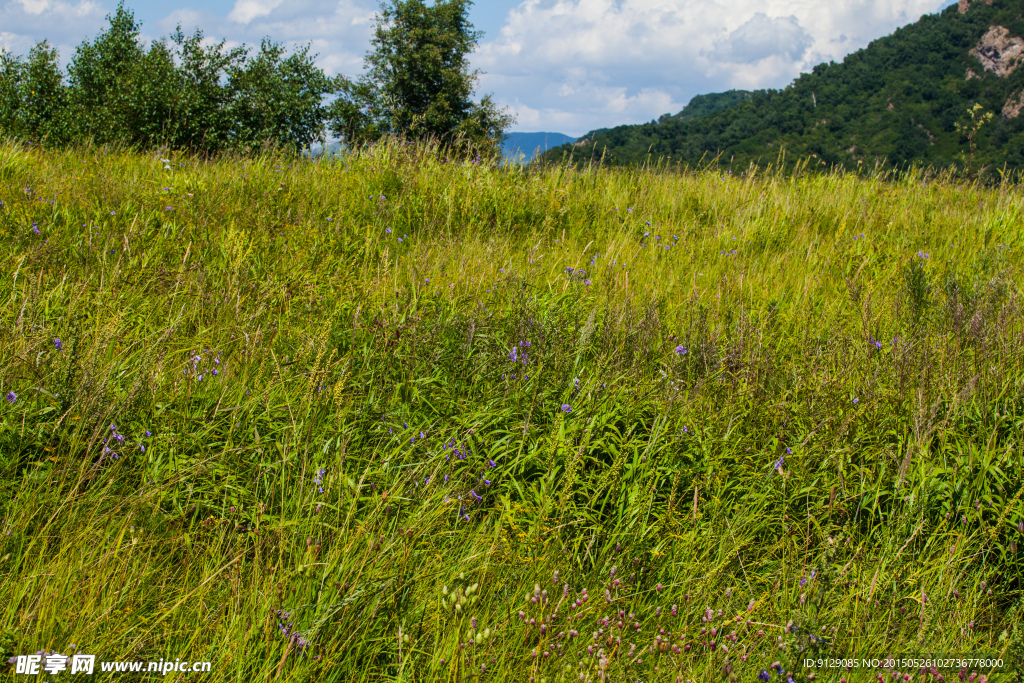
point(487, 15)
point(559, 65)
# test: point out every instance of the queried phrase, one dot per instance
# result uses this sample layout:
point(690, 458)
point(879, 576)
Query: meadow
point(392, 416)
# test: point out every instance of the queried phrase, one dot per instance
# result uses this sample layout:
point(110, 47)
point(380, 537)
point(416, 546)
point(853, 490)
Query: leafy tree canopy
point(418, 83)
point(178, 93)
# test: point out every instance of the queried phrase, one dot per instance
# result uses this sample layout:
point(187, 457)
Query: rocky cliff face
point(1014, 106)
point(999, 52)
point(966, 4)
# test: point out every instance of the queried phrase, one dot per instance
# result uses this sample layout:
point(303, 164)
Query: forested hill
point(899, 99)
point(705, 105)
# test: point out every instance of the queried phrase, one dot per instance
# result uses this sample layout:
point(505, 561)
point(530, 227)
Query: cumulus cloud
point(338, 31)
point(64, 24)
point(245, 11)
point(762, 37)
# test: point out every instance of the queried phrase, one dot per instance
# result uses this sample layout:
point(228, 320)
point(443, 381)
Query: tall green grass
point(396, 417)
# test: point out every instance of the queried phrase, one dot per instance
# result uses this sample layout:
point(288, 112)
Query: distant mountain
point(528, 144)
point(331, 148)
point(899, 99)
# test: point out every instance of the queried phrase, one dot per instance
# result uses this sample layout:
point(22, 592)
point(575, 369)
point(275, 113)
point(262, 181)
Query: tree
point(202, 119)
point(120, 91)
point(188, 96)
point(418, 83)
point(33, 96)
point(278, 101)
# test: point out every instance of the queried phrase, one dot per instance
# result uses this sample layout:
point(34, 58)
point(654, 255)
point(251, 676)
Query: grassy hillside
point(897, 100)
point(386, 417)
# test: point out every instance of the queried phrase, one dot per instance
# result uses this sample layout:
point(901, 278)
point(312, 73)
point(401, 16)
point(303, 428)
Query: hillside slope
point(899, 99)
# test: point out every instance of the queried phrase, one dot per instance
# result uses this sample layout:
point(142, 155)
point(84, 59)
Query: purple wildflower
point(11, 397)
point(566, 408)
point(777, 467)
point(58, 344)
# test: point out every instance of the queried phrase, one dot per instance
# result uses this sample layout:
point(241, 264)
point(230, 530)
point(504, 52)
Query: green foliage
point(969, 130)
point(120, 91)
point(277, 100)
point(918, 291)
point(179, 94)
point(418, 84)
point(894, 103)
point(203, 119)
point(33, 97)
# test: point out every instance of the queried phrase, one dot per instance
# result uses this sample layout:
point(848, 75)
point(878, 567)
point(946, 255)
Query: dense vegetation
point(897, 100)
point(384, 416)
point(185, 94)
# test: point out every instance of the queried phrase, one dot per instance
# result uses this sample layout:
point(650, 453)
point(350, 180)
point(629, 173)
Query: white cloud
point(575, 65)
point(35, 6)
point(247, 10)
point(762, 37)
point(337, 30)
point(64, 24)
